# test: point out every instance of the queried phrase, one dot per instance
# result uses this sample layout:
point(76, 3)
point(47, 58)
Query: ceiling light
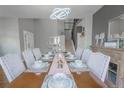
point(60, 13)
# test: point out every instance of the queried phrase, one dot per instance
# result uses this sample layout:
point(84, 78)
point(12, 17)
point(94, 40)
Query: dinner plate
point(46, 58)
point(78, 66)
point(67, 53)
point(50, 54)
point(60, 80)
point(38, 61)
point(71, 58)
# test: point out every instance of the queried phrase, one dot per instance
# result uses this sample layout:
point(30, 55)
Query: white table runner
point(54, 69)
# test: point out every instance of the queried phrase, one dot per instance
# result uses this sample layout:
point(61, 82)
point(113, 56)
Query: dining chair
point(78, 53)
point(85, 55)
point(28, 58)
point(37, 53)
point(12, 66)
point(98, 64)
point(6, 71)
point(32, 64)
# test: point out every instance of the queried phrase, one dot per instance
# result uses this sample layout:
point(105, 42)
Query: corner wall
point(25, 24)
point(9, 36)
point(86, 40)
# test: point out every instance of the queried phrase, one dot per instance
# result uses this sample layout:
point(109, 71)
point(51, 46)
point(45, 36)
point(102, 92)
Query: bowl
point(37, 67)
point(47, 55)
point(38, 61)
point(50, 53)
point(78, 62)
point(71, 56)
point(60, 80)
point(68, 53)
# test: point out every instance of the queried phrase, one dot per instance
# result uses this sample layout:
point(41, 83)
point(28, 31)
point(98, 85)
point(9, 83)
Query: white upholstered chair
point(78, 53)
point(12, 65)
point(31, 63)
point(6, 71)
point(37, 53)
point(28, 57)
point(98, 64)
point(85, 55)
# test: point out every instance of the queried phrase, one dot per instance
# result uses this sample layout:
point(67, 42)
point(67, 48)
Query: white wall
point(121, 26)
point(11, 31)
point(42, 29)
point(88, 30)
point(60, 27)
point(86, 40)
point(45, 28)
point(9, 36)
point(25, 24)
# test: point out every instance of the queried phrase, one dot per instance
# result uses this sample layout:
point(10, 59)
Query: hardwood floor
point(69, 45)
point(3, 79)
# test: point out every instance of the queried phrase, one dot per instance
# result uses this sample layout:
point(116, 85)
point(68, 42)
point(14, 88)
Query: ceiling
point(44, 11)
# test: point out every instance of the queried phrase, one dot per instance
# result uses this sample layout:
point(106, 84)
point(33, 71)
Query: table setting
point(59, 75)
point(66, 53)
point(59, 80)
point(38, 67)
point(47, 57)
point(70, 57)
point(78, 66)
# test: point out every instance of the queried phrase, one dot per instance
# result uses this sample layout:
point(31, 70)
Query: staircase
point(71, 33)
point(68, 26)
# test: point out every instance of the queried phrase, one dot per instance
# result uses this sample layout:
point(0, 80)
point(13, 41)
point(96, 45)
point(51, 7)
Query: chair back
point(37, 53)
point(98, 64)
point(78, 53)
point(85, 55)
point(28, 58)
point(12, 65)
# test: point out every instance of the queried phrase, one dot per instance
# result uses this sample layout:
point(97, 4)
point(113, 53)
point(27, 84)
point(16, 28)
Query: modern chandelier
point(60, 13)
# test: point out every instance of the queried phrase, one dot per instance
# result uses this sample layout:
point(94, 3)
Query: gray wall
point(101, 18)
point(25, 24)
point(45, 28)
point(60, 27)
point(9, 36)
point(121, 26)
point(11, 33)
point(114, 27)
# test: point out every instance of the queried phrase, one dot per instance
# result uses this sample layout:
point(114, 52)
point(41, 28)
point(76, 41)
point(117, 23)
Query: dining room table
point(84, 79)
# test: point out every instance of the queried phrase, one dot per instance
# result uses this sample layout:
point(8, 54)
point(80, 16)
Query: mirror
point(116, 31)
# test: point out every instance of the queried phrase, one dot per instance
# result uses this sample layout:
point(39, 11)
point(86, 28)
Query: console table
point(117, 58)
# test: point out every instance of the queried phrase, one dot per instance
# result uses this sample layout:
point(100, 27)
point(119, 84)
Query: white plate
point(70, 58)
point(60, 81)
point(68, 53)
point(38, 66)
point(78, 62)
point(78, 66)
point(38, 61)
point(46, 58)
point(49, 53)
